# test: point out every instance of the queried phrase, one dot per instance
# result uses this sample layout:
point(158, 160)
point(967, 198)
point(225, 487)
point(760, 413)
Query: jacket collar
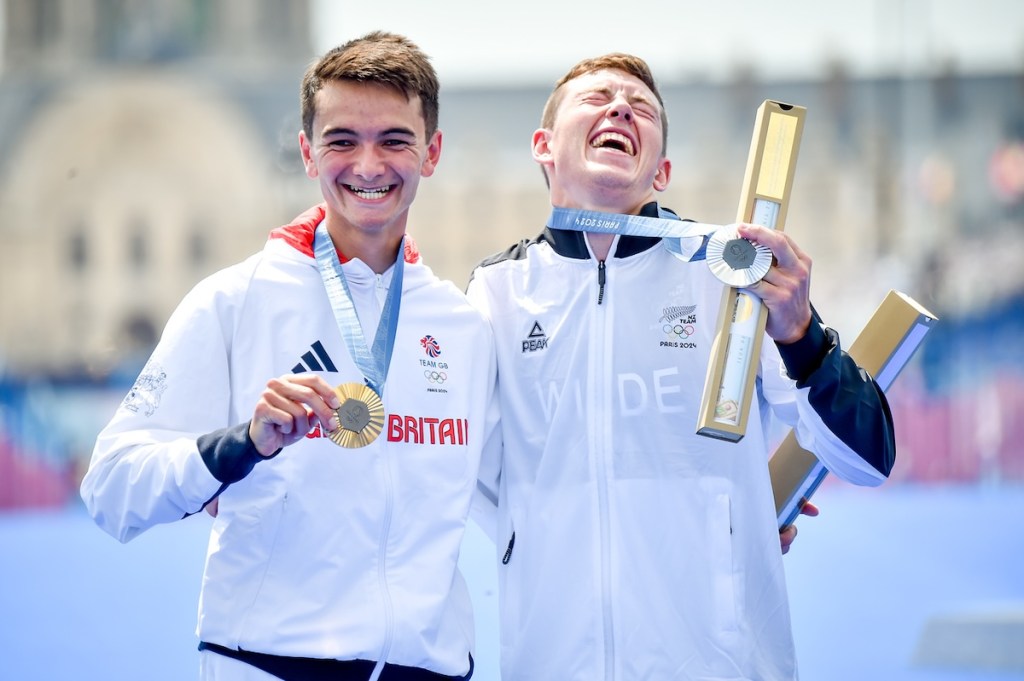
point(299, 235)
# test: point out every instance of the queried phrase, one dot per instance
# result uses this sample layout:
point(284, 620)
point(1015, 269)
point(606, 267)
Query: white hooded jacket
point(320, 551)
point(629, 547)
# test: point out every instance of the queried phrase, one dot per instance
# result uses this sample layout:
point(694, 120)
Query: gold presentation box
point(883, 348)
point(736, 350)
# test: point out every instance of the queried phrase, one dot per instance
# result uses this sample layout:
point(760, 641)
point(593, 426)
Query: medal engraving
point(360, 416)
point(737, 261)
point(739, 254)
point(354, 415)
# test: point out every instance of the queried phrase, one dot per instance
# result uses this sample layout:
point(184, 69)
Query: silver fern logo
point(677, 312)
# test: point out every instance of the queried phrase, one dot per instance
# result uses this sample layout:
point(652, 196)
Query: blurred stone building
point(146, 143)
point(142, 145)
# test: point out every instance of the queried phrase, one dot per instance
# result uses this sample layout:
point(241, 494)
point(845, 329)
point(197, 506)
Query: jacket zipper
point(600, 430)
point(382, 580)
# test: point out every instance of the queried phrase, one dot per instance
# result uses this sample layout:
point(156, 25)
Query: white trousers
point(216, 667)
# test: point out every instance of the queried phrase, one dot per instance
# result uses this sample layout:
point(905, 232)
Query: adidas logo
point(310, 360)
point(536, 340)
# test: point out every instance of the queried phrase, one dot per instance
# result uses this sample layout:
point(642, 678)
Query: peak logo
point(536, 339)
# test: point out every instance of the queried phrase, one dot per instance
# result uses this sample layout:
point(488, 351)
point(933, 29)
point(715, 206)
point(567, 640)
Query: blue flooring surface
point(864, 579)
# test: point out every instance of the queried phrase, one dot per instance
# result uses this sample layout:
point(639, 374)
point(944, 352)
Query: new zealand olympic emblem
point(678, 321)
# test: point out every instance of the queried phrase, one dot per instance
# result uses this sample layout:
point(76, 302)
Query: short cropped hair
point(379, 57)
point(634, 66)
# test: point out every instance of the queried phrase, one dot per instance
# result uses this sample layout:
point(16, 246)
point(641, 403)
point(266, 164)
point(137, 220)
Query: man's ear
point(663, 175)
point(541, 146)
point(307, 156)
point(433, 155)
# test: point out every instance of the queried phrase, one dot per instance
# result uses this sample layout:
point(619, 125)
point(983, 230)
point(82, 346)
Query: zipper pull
point(508, 551)
point(600, 281)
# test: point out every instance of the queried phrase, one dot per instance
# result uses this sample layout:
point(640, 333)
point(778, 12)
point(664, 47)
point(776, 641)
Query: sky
point(478, 42)
point(482, 42)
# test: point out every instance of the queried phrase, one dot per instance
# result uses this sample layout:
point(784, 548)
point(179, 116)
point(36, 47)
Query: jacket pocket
point(723, 580)
point(263, 597)
point(510, 595)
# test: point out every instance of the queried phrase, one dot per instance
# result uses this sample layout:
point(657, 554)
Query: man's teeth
point(613, 139)
point(369, 194)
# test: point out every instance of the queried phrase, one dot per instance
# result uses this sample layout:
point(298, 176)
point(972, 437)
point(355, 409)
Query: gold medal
point(360, 416)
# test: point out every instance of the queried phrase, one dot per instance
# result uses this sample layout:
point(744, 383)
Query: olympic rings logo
point(678, 330)
point(435, 376)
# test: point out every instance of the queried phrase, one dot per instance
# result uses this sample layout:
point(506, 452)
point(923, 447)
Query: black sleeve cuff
point(229, 453)
point(804, 356)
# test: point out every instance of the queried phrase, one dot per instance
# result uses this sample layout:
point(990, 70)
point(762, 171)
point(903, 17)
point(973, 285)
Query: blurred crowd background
point(146, 143)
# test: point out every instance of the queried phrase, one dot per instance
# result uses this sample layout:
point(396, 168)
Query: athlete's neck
point(379, 251)
point(600, 244)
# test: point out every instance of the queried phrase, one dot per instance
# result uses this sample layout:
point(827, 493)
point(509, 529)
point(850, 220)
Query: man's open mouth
point(613, 140)
point(370, 193)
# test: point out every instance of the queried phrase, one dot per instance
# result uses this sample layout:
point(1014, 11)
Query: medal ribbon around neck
point(690, 241)
point(361, 414)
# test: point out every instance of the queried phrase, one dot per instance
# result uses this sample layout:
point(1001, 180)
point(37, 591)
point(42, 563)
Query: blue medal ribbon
point(684, 239)
point(372, 362)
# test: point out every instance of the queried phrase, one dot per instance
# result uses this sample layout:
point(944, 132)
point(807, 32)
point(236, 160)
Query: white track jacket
point(319, 551)
point(630, 548)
